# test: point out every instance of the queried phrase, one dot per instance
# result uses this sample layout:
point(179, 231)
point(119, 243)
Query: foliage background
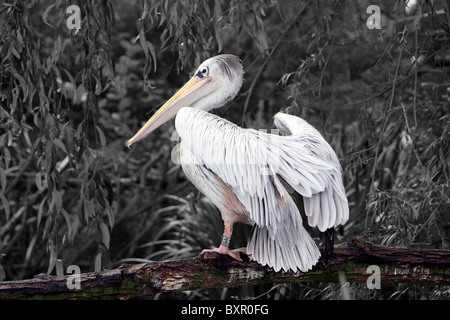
point(72, 193)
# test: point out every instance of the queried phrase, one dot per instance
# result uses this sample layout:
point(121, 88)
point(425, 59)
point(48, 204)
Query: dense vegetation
point(70, 190)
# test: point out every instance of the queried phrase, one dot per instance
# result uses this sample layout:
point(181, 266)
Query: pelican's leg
point(223, 248)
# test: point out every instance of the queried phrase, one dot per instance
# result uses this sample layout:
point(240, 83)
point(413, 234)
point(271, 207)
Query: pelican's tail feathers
point(301, 255)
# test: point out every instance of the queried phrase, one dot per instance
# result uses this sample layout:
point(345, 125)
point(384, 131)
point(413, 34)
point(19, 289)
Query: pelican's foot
point(235, 253)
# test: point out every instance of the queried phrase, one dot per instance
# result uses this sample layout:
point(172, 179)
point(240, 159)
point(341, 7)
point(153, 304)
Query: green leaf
point(105, 234)
point(52, 260)
point(80, 130)
point(20, 38)
point(23, 83)
point(217, 16)
point(28, 253)
point(14, 50)
point(45, 14)
point(6, 153)
point(98, 262)
point(60, 145)
point(69, 224)
point(98, 86)
point(48, 224)
point(2, 273)
point(152, 51)
point(68, 138)
point(57, 199)
point(111, 219)
point(147, 47)
point(5, 206)
point(3, 180)
point(142, 40)
point(101, 136)
point(88, 208)
point(75, 225)
point(41, 210)
point(39, 184)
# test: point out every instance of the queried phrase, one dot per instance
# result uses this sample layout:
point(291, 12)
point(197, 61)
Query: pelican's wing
point(250, 163)
point(328, 206)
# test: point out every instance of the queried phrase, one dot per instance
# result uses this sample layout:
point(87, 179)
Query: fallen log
point(396, 265)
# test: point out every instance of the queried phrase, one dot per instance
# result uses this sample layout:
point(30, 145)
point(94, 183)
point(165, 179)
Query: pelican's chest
point(186, 157)
point(187, 162)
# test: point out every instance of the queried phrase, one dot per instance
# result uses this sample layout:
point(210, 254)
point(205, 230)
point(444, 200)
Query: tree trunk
point(408, 266)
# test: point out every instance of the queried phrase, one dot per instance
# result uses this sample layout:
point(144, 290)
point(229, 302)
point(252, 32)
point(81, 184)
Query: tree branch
point(409, 266)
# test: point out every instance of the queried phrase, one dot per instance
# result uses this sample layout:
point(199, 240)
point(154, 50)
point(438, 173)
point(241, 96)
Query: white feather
point(245, 161)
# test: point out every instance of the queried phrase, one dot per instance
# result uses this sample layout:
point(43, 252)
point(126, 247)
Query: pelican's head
point(214, 83)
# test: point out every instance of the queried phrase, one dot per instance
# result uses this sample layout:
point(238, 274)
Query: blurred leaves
point(44, 137)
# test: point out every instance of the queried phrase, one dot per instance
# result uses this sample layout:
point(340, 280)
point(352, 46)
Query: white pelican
point(246, 173)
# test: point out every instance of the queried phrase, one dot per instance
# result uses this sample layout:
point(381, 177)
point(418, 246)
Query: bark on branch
point(409, 266)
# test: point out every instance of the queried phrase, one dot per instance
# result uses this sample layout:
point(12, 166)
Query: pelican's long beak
point(187, 95)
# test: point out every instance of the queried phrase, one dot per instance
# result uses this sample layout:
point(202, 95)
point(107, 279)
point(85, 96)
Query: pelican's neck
point(223, 93)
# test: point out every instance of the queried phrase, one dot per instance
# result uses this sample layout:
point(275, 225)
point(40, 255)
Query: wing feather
point(327, 207)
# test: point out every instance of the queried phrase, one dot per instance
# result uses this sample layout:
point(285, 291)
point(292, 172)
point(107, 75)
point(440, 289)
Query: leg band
point(225, 241)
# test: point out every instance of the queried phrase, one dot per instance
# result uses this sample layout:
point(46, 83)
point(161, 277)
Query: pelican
point(248, 174)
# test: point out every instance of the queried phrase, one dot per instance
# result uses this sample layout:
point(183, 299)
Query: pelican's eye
point(203, 72)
